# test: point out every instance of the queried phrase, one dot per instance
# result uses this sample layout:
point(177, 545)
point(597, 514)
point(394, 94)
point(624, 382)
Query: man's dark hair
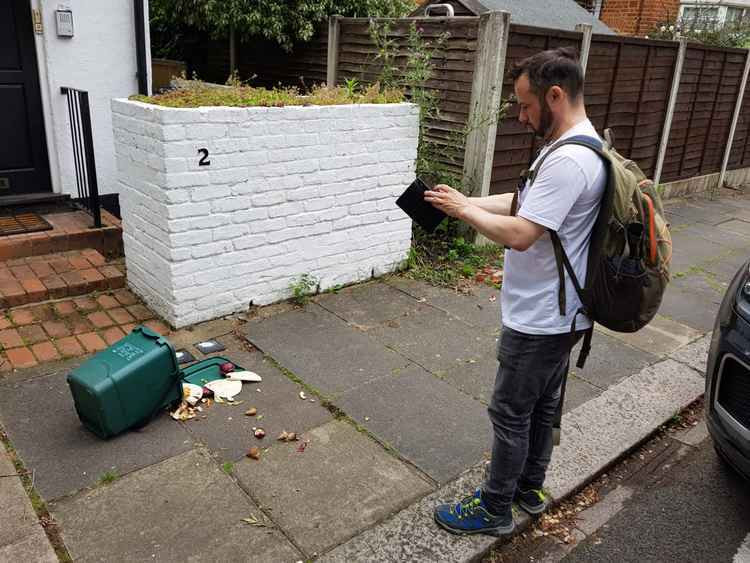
point(555, 67)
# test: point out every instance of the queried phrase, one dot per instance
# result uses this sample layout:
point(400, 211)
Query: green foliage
point(449, 260)
point(246, 96)
point(706, 32)
point(227, 467)
point(284, 21)
point(305, 286)
point(107, 477)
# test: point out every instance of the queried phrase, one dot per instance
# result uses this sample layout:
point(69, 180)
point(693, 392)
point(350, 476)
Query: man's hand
point(449, 201)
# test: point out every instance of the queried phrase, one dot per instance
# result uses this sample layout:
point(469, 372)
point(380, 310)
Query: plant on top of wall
point(202, 95)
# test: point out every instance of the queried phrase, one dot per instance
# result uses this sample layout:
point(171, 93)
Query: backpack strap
point(561, 258)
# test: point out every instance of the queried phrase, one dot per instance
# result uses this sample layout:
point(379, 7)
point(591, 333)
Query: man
point(536, 339)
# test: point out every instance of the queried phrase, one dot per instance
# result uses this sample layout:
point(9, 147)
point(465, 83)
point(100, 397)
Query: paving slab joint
point(46, 521)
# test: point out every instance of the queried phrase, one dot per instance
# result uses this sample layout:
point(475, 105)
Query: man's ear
point(555, 95)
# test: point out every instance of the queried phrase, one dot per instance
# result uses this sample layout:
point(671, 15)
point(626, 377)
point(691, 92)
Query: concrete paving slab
point(228, 433)
point(610, 361)
point(41, 422)
point(660, 337)
point(729, 240)
point(735, 226)
point(692, 300)
point(599, 431)
point(322, 349)
point(341, 484)
point(32, 547)
point(725, 267)
point(369, 305)
point(694, 354)
point(183, 509)
point(429, 422)
point(480, 308)
point(412, 535)
point(692, 250)
point(447, 347)
point(578, 392)
point(18, 517)
point(693, 211)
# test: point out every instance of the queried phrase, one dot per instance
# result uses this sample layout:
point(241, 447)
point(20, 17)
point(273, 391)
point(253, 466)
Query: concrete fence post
point(735, 118)
point(666, 129)
point(587, 30)
point(486, 91)
point(334, 32)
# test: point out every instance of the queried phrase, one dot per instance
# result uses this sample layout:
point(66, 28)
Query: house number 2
point(204, 159)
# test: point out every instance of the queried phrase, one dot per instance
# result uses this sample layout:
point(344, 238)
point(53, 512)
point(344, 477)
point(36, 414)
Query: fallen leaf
point(253, 521)
point(253, 453)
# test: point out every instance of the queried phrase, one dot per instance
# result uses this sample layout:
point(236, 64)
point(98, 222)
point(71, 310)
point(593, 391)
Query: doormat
point(23, 223)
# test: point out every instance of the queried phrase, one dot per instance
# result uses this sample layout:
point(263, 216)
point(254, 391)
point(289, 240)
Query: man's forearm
point(515, 232)
point(495, 204)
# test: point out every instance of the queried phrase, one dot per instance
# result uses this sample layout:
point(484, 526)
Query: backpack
point(630, 249)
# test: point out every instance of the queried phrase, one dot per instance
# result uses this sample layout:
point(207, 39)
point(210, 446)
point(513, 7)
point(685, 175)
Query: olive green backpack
point(630, 251)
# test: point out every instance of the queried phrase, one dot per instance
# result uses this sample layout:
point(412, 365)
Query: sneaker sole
point(500, 531)
point(533, 510)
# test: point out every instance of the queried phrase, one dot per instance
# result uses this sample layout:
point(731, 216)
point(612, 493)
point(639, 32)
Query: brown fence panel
point(453, 75)
point(628, 81)
point(703, 114)
point(739, 157)
point(515, 145)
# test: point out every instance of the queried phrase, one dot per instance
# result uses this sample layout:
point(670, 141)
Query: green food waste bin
point(125, 385)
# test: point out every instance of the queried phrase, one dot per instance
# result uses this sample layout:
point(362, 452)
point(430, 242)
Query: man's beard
point(545, 121)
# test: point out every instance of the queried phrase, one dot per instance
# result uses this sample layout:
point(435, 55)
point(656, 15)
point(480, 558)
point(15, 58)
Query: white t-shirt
point(564, 197)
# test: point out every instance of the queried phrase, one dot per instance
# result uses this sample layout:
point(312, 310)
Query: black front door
point(24, 166)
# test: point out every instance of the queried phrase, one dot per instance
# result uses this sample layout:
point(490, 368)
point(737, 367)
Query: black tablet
point(422, 212)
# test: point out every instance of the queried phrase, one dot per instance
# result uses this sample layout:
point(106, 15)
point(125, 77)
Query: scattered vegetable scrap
point(302, 395)
point(287, 437)
point(251, 412)
point(253, 453)
point(260, 433)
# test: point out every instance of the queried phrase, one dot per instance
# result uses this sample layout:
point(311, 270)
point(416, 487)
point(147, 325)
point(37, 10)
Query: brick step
point(71, 231)
point(36, 279)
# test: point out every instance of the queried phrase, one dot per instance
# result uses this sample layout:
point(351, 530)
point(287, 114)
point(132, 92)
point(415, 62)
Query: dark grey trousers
point(522, 410)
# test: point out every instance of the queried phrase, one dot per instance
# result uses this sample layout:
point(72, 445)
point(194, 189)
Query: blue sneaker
point(470, 516)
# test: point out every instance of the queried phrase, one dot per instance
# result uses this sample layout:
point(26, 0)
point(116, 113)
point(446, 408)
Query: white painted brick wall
point(289, 191)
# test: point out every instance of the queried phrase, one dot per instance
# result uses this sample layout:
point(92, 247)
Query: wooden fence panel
point(703, 114)
point(515, 144)
point(739, 157)
point(453, 75)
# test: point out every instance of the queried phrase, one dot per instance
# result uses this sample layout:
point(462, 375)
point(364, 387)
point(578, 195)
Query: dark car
point(728, 375)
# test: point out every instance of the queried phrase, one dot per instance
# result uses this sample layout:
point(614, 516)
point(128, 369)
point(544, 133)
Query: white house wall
point(101, 59)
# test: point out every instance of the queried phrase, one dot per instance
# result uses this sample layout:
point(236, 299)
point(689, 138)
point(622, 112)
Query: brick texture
point(203, 242)
point(638, 17)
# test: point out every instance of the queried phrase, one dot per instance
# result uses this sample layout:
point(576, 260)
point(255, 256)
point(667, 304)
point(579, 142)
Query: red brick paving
point(21, 358)
point(92, 342)
point(158, 326)
point(45, 352)
point(85, 303)
point(10, 338)
point(22, 317)
point(107, 302)
point(64, 308)
point(69, 347)
point(112, 335)
point(100, 319)
point(5, 323)
point(125, 297)
point(121, 316)
point(140, 312)
point(56, 276)
point(79, 324)
point(32, 334)
point(56, 329)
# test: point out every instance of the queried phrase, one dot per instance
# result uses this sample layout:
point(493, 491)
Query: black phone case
point(422, 212)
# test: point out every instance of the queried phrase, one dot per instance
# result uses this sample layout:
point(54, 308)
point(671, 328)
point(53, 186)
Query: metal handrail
point(83, 151)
